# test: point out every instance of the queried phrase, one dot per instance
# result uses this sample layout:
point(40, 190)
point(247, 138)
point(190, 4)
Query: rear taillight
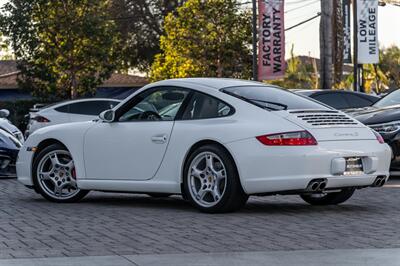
point(298, 138)
point(40, 119)
point(378, 137)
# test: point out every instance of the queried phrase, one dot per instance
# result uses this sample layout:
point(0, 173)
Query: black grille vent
point(326, 119)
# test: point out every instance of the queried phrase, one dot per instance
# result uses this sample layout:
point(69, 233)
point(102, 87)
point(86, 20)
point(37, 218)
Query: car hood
point(8, 141)
point(6, 125)
point(377, 115)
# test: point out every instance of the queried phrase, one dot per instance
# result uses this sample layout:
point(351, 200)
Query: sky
point(305, 38)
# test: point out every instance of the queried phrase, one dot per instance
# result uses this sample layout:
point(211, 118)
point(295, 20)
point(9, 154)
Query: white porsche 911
point(214, 141)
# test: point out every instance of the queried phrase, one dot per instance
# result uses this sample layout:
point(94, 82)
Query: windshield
point(273, 98)
point(391, 99)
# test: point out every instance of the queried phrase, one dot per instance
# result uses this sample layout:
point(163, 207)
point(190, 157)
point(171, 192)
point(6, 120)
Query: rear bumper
point(266, 169)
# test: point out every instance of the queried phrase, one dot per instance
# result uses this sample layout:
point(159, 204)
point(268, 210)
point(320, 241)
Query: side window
point(356, 101)
point(334, 100)
point(93, 108)
point(160, 104)
point(63, 109)
point(203, 106)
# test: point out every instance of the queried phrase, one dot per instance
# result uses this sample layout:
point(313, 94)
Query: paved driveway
point(118, 224)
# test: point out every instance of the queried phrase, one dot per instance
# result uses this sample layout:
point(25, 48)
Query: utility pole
point(255, 65)
point(326, 44)
point(357, 83)
point(338, 41)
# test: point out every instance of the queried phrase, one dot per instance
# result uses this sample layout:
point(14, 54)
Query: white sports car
point(229, 139)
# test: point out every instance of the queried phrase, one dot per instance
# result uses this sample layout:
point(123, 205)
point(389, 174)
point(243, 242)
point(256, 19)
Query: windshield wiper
point(284, 106)
point(254, 101)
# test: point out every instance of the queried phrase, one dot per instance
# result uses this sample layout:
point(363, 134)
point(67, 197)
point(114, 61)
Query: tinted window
point(63, 109)
point(91, 107)
point(391, 99)
point(335, 100)
point(203, 106)
point(273, 98)
point(160, 104)
point(356, 101)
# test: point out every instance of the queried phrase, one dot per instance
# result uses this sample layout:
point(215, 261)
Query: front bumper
point(7, 162)
point(266, 169)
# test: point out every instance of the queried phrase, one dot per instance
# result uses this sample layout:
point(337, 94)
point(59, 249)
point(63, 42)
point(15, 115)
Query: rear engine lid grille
point(324, 118)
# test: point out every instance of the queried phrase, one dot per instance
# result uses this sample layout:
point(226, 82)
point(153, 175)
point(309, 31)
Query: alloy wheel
point(56, 175)
point(207, 179)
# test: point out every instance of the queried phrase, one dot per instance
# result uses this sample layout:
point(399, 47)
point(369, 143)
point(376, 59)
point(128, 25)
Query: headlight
point(387, 128)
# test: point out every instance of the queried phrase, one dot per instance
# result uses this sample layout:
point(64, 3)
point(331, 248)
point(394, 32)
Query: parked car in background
point(67, 112)
point(384, 117)
point(340, 99)
point(228, 139)
point(7, 126)
point(9, 148)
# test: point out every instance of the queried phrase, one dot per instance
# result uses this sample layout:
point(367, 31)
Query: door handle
point(160, 139)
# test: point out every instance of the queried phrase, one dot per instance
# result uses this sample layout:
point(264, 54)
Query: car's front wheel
point(211, 181)
point(332, 198)
point(54, 175)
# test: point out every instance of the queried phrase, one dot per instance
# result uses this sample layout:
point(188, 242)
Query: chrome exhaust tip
point(317, 185)
point(379, 181)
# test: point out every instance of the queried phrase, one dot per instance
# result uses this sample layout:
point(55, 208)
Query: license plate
point(354, 166)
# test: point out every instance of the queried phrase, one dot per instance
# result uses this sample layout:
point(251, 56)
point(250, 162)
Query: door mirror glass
point(4, 113)
point(107, 116)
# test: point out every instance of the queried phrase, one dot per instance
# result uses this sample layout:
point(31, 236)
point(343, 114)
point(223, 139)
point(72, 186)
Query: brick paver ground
point(109, 224)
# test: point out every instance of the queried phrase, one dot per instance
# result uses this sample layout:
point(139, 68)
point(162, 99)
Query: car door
point(133, 146)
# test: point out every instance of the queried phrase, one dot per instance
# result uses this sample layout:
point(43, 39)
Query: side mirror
point(4, 113)
point(107, 116)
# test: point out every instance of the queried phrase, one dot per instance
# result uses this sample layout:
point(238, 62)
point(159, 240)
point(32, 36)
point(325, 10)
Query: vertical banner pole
point(255, 55)
point(355, 45)
point(271, 39)
point(367, 36)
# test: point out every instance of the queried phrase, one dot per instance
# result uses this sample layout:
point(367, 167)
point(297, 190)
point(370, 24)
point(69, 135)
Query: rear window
point(273, 98)
point(335, 100)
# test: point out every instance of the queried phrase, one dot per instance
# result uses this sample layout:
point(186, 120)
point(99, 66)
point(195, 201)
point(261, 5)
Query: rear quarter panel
point(247, 122)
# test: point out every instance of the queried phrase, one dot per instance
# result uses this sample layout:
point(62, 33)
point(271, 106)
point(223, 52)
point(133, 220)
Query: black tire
point(38, 187)
point(333, 198)
point(159, 195)
point(233, 197)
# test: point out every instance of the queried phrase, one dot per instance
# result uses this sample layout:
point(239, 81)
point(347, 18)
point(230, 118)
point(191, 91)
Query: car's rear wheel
point(54, 175)
point(328, 198)
point(211, 181)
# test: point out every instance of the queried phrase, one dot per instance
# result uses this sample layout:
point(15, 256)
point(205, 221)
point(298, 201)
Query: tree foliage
point(390, 65)
point(299, 75)
point(205, 38)
point(64, 48)
point(140, 24)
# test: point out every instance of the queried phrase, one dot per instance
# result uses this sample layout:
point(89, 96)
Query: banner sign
point(271, 43)
point(367, 20)
point(346, 32)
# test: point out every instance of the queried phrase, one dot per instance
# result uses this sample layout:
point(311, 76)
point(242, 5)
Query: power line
point(299, 7)
point(304, 21)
